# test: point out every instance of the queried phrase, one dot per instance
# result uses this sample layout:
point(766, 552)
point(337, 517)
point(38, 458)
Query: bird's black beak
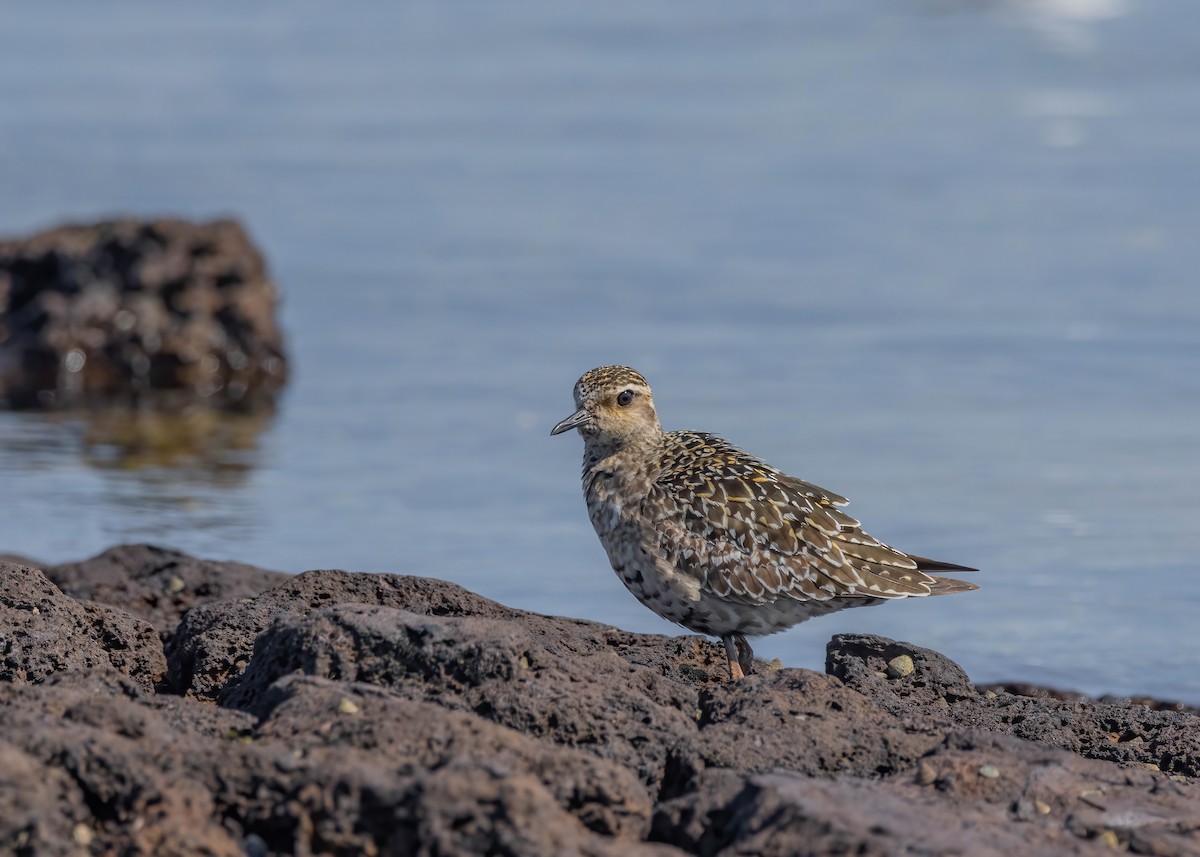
point(580, 418)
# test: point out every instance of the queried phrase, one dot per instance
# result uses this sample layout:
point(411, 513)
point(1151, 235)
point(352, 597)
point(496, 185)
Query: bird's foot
point(740, 656)
point(745, 654)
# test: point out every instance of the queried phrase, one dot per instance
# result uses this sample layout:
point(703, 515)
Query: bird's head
point(614, 407)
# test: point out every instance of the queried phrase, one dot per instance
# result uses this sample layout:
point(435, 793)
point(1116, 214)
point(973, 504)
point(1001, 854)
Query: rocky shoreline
point(153, 703)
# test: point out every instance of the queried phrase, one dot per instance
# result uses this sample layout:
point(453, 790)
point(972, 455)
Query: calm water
point(940, 257)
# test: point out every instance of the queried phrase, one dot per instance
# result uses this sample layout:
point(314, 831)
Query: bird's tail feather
point(948, 586)
point(927, 564)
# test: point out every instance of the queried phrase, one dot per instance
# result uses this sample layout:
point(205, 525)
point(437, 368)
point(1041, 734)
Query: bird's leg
point(732, 653)
point(745, 654)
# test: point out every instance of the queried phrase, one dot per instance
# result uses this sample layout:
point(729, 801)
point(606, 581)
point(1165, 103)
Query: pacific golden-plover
point(718, 541)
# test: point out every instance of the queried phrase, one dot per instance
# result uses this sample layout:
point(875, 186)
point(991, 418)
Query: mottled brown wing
point(750, 533)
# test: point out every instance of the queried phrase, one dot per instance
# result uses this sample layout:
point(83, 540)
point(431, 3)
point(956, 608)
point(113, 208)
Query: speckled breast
point(631, 543)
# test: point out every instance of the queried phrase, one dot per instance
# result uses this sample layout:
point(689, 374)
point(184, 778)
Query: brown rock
point(494, 668)
point(309, 712)
point(399, 715)
point(863, 662)
point(1042, 692)
point(142, 782)
point(160, 311)
point(43, 632)
point(788, 813)
point(1116, 731)
point(805, 722)
point(212, 646)
point(157, 584)
point(35, 805)
point(115, 766)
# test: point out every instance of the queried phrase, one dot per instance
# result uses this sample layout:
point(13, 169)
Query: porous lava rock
point(342, 713)
point(157, 584)
point(938, 691)
point(43, 632)
point(166, 312)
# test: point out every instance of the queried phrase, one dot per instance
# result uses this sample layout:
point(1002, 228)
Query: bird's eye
point(625, 397)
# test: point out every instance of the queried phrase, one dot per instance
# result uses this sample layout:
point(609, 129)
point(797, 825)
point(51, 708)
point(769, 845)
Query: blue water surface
point(938, 256)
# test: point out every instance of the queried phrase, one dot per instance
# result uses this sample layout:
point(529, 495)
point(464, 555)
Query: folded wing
point(750, 533)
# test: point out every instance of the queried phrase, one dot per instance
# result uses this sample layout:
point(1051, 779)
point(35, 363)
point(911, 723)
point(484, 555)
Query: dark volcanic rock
point(138, 781)
point(43, 632)
point(213, 644)
point(158, 584)
point(340, 713)
point(1039, 692)
point(977, 794)
point(494, 668)
point(164, 311)
point(128, 787)
point(308, 712)
point(873, 665)
point(37, 814)
point(806, 722)
point(938, 690)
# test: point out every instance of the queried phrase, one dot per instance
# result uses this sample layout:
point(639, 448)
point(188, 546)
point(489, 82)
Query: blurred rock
point(156, 584)
point(127, 311)
point(1039, 692)
point(19, 559)
point(385, 714)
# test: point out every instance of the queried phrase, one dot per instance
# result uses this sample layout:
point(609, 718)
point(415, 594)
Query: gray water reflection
point(118, 475)
point(188, 446)
point(936, 256)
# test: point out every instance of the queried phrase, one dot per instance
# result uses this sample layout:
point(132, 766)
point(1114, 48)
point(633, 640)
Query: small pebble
point(255, 846)
point(347, 707)
point(82, 834)
point(991, 694)
point(1110, 839)
point(1150, 766)
point(286, 762)
point(926, 774)
point(1042, 807)
point(175, 584)
point(991, 772)
point(899, 666)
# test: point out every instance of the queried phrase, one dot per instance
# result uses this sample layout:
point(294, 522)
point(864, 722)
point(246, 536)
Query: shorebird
point(717, 540)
